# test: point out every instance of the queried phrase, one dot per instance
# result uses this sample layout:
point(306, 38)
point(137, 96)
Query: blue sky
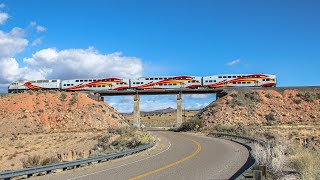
point(165, 38)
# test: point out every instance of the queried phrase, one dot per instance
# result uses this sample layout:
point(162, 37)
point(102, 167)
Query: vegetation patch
point(190, 125)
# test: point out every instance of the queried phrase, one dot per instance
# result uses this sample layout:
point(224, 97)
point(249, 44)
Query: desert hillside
point(46, 111)
point(50, 125)
point(247, 106)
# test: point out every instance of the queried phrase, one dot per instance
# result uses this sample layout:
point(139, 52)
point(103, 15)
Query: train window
point(229, 76)
point(164, 78)
point(117, 83)
point(94, 86)
point(77, 80)
point(64, 85)
point(207, 81)
point(248, 82)
point(243, 76)
point(151, 78)
point(243, 82)
point(99, 86)
point(93, 80)
point(268, 79)
point(234, 82)
point(90, 80)
point(210, 80)
point(160, 78)
point(54, 80)
point(68, 84)
point(71, 84)
point(147, 78)
point(86, 80)
point(81, 80)
point(238, 82)
point(224, 76)
point(165, 84)
point(155, 78)
point(214, 81)
point(234, 76)
point(141, 82)
point(272, 79)
point(219, 76)
point(134, 83)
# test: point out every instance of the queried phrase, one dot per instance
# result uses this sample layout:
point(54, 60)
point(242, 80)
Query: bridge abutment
point(179, 110)
point(136, 110)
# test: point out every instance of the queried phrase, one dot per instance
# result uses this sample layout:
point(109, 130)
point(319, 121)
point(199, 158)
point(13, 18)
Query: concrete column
point(179, 110)
point(136, 110)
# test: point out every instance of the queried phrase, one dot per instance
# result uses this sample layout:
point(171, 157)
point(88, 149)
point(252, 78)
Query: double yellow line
point(199, 147)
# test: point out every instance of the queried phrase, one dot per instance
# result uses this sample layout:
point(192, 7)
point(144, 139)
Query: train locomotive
point(150, 82)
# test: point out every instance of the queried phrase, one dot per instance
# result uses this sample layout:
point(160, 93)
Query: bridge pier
point(179, 110)
point(136, 110)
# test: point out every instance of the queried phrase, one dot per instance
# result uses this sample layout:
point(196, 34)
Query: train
point(148, 82)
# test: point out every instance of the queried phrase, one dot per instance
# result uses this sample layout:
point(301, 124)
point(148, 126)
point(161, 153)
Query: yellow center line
point(199, 147)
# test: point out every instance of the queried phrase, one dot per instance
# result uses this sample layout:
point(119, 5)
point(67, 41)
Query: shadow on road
point(250, 161)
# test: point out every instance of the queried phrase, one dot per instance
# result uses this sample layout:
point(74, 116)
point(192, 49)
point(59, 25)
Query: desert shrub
point(273, 158)
point(254, 96)
point(190, 125)
point(31, 161)
point(306, 163)
point(63, 96)
point(128, 137)
point(51, 160)
point(269, 96)
point(296, 101)
point(271, 120)
point(225, 128)
point(74, 98)
point(309, 97)
point(235, 102)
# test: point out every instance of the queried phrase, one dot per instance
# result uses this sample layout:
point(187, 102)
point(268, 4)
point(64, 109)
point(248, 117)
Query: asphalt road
point(176, 156)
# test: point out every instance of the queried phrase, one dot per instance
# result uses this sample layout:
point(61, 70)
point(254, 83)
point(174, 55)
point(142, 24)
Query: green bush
point(190, 125)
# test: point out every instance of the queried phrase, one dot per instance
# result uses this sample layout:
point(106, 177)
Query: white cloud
point(196, 96)
point(2, 5)
point(3, 17)
point(41, 28)
point(33, 23)
point(36, 41)
point(78, 63)
point(233, 62)
point(12, 43)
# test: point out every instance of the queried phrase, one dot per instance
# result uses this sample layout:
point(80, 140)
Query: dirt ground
point(15, 147)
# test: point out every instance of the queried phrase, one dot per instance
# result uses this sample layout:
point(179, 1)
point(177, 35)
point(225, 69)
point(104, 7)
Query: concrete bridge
point(177, 92)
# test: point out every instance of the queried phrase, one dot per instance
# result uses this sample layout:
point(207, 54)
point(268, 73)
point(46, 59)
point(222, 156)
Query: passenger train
point(150, 82)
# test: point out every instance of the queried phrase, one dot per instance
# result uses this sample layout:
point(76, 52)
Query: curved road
point(176, 156)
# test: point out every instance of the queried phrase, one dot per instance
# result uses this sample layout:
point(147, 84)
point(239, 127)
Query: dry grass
point(306, 163)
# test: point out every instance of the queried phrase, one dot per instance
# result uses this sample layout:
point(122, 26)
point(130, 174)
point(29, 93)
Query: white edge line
point(122, 164)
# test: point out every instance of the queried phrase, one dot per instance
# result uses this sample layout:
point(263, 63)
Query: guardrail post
point(179, 110)
point(136, 110)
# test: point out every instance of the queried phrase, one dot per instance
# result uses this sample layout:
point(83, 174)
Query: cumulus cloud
point(36, 41)
point(78, 63)
point(3, 17)
point(12, 43)
point(41, 28)
point(2, 5)
point(197, 96)
point(233, 62)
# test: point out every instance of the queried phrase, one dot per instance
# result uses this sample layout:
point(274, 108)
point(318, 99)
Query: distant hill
point(166, 110)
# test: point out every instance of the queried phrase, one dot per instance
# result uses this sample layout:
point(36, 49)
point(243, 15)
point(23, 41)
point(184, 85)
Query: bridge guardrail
point(65, 165)
point(254, 172)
